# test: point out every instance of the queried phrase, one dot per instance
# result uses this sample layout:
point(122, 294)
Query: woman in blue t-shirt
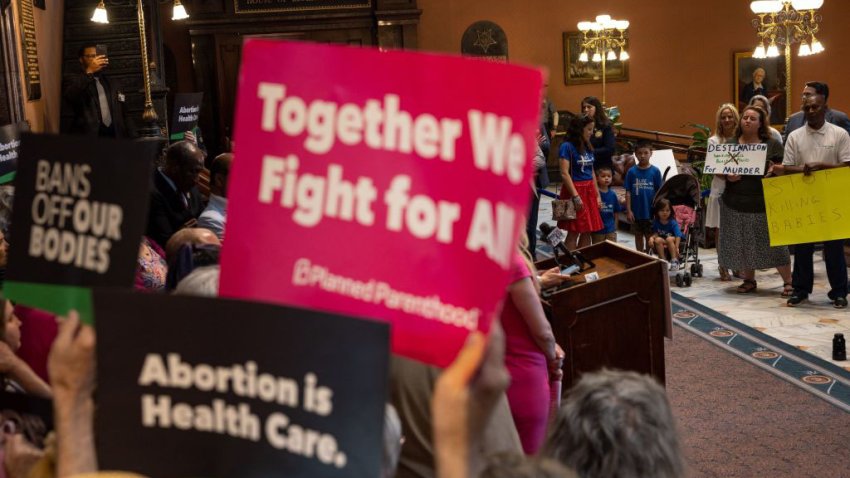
point(579, 183)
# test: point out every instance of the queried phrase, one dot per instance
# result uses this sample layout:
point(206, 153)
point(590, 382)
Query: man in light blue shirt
point(215, 215)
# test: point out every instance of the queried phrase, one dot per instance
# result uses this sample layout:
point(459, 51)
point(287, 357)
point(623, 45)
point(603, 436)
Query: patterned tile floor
point(809, 327)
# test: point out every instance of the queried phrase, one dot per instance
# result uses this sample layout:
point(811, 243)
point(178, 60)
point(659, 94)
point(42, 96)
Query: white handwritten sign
point(742, 159)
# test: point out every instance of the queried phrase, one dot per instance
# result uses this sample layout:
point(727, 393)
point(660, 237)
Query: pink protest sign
point(386, 185)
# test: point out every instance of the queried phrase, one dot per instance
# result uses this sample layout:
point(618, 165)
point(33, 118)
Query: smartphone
point(570, 270)
point(100, 49)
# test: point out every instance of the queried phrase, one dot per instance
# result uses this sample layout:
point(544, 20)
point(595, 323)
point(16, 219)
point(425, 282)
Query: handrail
point(657, 134)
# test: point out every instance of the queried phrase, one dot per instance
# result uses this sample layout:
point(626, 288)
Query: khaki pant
point(611, 236)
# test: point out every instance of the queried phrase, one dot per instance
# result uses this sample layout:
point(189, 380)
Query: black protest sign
point(78, 217)
point(9, 144)
point(187, 109)
point(222, 388)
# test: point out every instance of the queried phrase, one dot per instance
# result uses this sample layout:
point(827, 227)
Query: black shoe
point(840, 303)
point(797, 299)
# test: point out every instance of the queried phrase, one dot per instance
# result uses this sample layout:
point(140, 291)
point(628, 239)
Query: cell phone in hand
point(100, 49)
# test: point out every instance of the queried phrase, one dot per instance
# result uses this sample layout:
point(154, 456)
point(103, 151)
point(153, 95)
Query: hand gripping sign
point(387, 185)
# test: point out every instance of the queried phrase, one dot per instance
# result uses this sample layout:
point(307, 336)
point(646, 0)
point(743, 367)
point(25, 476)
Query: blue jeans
point(803, 276)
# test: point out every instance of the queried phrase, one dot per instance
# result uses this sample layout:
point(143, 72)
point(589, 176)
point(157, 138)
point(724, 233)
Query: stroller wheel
point(680, 280)
point(693, 269)
point(687, 279)
point(699, 270)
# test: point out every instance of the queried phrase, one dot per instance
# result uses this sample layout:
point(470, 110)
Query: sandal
point(748, 286)
point(724, 274)
point(787, 290)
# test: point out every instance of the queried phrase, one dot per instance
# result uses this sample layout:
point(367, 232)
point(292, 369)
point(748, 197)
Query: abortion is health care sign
point(287, 393)
point(741, 159)
point(388, 185)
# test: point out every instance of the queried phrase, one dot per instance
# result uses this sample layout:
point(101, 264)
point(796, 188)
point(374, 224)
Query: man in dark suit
point(95, 99)
point(798, 119)
point(175, 201)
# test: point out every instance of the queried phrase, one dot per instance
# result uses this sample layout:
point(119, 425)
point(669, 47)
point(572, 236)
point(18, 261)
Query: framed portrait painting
point(582, 73)
point(760, 76)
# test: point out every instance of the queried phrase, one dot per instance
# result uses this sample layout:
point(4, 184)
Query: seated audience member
point(214, 216)
point(465, 398)
point(175, 201)
point(616, 424)
point(187, 249)
point(40, 327)
point(152, 269)
point(4, 256)
point(194, 236)
point(666, 234)
point(508, 465)
point(202, 281)
point(16, 374)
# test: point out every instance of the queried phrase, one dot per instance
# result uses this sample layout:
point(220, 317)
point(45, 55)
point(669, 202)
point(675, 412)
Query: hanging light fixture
point(772, 50)
point(99, 15)
point(149, 115)
point(783, 23)
point(604, 36)
point(179, 11)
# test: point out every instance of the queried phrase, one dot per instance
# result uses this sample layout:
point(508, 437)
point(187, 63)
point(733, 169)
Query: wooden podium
point(617, 321)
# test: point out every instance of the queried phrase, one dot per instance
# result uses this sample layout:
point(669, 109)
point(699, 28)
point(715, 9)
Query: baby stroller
point(683, 192)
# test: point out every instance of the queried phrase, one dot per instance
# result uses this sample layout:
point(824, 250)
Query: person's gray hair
point(203, 282)
point(516, 465)
point(764, 100)
point(392, 441)
point(616, 423)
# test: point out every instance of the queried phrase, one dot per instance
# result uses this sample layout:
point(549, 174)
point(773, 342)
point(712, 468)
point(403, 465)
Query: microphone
point(554, 237)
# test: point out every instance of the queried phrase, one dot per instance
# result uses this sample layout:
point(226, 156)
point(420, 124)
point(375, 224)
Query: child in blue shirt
point(610, 206)
point(666, 233)
point(643, 180)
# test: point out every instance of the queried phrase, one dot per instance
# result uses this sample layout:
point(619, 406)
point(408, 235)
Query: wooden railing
point(679, 143)
point(626, 139)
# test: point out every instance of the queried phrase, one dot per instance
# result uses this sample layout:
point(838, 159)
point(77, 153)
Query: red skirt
point(588, 219)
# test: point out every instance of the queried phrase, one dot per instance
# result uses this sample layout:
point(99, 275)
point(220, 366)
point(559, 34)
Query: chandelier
point(785, 22)
point(601, 40)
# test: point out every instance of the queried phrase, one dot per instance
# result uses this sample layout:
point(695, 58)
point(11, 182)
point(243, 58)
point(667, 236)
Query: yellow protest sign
point(812, 208)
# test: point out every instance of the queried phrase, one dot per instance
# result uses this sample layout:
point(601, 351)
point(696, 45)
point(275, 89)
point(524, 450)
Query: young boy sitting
point(642, 182)
point(610, 206)
point(666, 233)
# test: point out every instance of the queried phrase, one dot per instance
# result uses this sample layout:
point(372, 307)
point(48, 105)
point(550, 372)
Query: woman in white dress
point(727, 119)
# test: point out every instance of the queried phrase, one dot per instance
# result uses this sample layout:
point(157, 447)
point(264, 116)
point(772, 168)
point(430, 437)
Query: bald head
point(189, 235)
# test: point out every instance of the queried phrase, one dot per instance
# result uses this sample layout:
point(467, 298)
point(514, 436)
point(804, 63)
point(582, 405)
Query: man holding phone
point(95, 99)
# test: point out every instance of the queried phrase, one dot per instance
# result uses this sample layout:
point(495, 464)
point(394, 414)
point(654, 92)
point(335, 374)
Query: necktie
point(105, 115)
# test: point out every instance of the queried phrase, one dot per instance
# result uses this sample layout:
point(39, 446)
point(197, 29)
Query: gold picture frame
point(774, 81)
point(578, 73)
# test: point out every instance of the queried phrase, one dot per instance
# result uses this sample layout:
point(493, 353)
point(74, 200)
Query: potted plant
point(696, 152)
